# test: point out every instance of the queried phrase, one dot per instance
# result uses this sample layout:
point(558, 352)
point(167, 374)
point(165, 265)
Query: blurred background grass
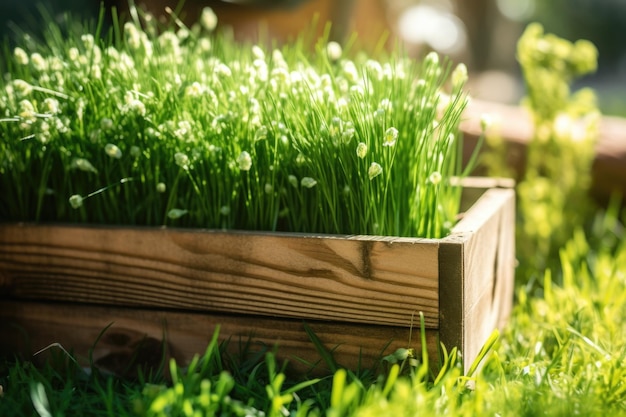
point(480, 33)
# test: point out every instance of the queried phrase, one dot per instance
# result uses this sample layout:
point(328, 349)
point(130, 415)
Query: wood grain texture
point(359, 279)
point(477, 264)
point(367, 287)
point(27, 327)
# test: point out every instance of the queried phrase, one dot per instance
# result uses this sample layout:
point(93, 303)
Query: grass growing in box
point(182, 126)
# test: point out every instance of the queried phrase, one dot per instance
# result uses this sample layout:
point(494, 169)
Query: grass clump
point(182, 126)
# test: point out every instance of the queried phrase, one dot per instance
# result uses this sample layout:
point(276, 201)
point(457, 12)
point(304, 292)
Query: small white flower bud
point(334, 51)
point(374, 170)
point(113, 151)
point(361, 150)
point(76, 201)
point(176, 213)
point(182, 160)
point(391, 135)
point(244, 160)
point(308, 182)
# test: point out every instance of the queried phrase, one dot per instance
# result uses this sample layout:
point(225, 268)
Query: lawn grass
point(563, 352)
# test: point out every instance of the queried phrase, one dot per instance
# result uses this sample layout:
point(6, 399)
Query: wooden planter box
point(65, 284)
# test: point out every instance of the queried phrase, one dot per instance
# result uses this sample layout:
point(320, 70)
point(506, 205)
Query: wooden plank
point(27, 327)
point(372, 280)
point(477, 272)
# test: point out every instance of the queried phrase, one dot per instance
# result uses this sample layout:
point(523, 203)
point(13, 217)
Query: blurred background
point(480, 33)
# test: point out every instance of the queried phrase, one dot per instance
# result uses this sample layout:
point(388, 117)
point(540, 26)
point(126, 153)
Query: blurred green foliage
point(553, 191)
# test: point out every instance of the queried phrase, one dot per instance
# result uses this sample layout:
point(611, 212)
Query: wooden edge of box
point(28, 327)
point(478, 290)
point(371, 282)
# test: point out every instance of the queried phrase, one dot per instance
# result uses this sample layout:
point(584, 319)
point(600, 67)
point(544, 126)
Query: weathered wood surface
point(135, 336)
point(477, 264)
point(462, 283)
point(609, 167)
point(352, 279)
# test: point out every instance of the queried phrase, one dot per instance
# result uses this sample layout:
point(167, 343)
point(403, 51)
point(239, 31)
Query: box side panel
point(451, 299)
point(489, 263)
point(30, 326)
point(323, 278)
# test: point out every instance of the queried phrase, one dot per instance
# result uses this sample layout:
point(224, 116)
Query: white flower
point(260, 134)
point(88, 40)
point(106, 123)
point(113, 151)
point(334, 51)
point(459, 77)
point(435, 178)
point(223, 70)
point(361, 150)
point(431, 59)
point(22, 87)
point(194, 90)
point(204, 44)
point(391, 135)
point(83, 165)
point(258, 53)
point(485, 121)
point(27, 111)
point(39, 62)
point(20, 56)
point(181, 160)
point(308, 182)
point(208, 19)
point(350, 71)
point(244, 160)
point(386, 104)
point(374, 170)
point(73, 54)
point(76, 201)
point(51, 105)
point(347, 135)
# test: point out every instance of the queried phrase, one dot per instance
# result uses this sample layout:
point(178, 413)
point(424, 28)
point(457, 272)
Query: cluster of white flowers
point(184, 97)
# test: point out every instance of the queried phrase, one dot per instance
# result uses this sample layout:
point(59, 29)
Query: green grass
point(563, 352)
point(183, 126)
